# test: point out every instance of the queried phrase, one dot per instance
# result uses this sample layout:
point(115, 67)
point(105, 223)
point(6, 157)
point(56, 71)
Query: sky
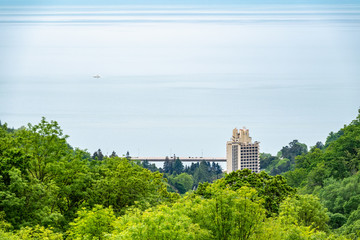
point(177, 79)
point(168, 2)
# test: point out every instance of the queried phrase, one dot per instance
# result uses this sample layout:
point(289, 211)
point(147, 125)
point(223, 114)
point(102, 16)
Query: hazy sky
point(178, 79)
point(169, 2)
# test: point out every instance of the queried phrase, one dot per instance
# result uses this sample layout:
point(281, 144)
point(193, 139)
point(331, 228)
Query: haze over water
point(179, 79)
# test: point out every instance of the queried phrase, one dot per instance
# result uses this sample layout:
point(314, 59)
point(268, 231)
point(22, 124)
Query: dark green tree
point(127, 156)
point(113, 154)
point(178, 166)
point(333, 137)
point(98, 155)
point(294, 149)
point(168, 165)
point(319, 145)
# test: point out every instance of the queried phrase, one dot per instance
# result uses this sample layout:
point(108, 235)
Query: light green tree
point(38, 232)
point(305, 210)
point(228, 214)
point(160, 223)
point(92, 224)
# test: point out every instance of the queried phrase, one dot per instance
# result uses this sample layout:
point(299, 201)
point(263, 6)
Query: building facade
point(241, 153)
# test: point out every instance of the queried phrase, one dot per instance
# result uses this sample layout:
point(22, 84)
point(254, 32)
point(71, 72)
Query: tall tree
point(294, 149)
point(168, 165)
point(113, 154)
point(178, 166)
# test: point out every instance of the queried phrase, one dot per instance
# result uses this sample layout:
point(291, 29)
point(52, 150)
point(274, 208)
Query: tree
point(305, 210)
point(319, 145)
point(296, 177)
point(266, 159)
point(218, 170)
point(309, 160)
point(113, 154)
point(75, 187)
point(333, 137)
point(29, 194)
point(95, 156)
point(343, 154)
point(98, 155)
point(178, 166)
point(294, 149)
point(182, 182)
point(127, 156)
point(161, 223)
point(38, 232)
point(272, 189)
point(168, 166)
point(121, 184)
point(336, 220)
point(341, 196)
point(201, 174)
point(47, 147)
point(317, 176)
point(145, 164)
point(92, 224)
point(228, 214)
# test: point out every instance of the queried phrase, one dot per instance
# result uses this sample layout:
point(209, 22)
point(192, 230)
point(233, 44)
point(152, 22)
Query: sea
point(164, 80)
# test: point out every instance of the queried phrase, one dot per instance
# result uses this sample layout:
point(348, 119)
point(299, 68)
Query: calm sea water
point(179, 79)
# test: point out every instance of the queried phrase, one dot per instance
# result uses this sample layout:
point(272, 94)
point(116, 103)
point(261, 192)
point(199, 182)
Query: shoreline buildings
point(241, 153)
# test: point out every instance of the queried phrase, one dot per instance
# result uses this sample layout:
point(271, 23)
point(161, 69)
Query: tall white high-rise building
point(241, 153)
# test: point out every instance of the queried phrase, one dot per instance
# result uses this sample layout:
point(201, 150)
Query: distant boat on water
point(97, 76)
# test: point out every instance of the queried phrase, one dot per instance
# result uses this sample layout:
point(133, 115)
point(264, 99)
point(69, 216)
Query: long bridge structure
point(183, 159)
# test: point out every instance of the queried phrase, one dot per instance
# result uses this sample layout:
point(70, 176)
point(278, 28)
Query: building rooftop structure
point(241, 153)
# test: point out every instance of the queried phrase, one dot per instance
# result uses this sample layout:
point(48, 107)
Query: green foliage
point(75, 186)
point(196, 173)
point(48, 150)
point(183, 182)
point(38, 232)
point(305, 210)
point(168, 165)
point(281, 228)
point(285, 160)
point(294, 149)
point(266, 159)
point(48, 190)
point(317, 176)
point(331, 172)
point(229, 214)
point(178, 166)
point(98, 155)
point(7, 235)
point(333, 137)
point(296, 178)
point(92, 224)
point(162, 223)
point(201, 174)
point(310, 160)
point(121, 184)
point(273, 189)
point(336, 220)
point(152, 167)
point(343, 155)
point(43, 181)
point(341, 196)
point(352, 225)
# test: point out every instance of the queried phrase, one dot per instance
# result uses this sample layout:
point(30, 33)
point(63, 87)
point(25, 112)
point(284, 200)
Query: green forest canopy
point(49, 190)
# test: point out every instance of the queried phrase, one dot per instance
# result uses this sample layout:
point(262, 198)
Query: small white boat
point(97, 76)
